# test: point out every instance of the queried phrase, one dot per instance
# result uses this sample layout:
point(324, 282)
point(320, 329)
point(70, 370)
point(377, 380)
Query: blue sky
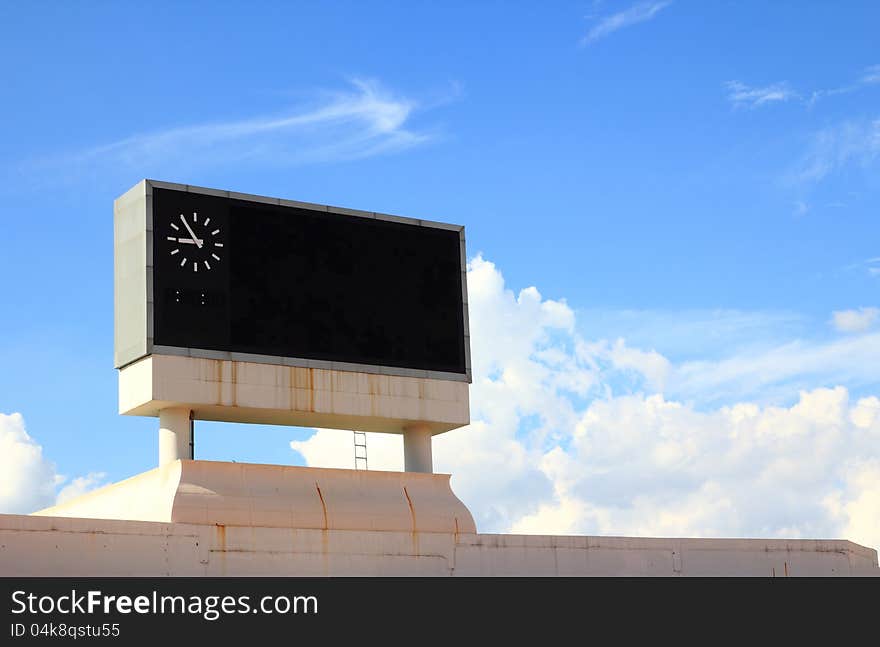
point(698, 180)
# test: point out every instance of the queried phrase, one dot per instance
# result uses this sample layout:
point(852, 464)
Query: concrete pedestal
point(175, 435)
point(417, 456)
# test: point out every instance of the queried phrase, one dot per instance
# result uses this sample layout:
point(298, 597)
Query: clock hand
point(189, 229)
point(192, 241)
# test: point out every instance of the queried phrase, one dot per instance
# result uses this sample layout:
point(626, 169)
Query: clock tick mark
point(216, 258)
point(183, 262)
point(174, 251)
point(218, 244)
point(171, 238)
point(207, 267)
point(207, 220)
point(215, 232)
point(175, 227)
point(195, 267)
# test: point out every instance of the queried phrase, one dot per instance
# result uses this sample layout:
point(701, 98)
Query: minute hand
point(194, 237)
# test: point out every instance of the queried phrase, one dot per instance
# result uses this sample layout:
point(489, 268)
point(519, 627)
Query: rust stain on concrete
point(234, 384)
point(325, 532)
point(291, 387)
point(221, 546)
point(415, 531)
point(323, 505)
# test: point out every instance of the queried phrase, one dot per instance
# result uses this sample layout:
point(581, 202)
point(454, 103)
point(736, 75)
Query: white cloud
point(570, 435)
point(646, 465)
point(28, 481)
point(742, 95)
point(650, 365)
point(641, 12)
point(81, 485)
point(856, 505)
point(334, 448)
point(855, 320)
point(365, 121)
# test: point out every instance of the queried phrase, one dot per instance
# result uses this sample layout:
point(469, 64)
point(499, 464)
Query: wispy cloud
point(855, 321)
point(850, 142)
point(871, 76)
point(766, 373)
point(871, 265)
point(801, 208)
point(744, 96)
point(363, 121)
point(641, 12)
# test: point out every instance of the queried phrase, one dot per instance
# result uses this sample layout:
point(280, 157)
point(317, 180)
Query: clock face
point(196, 244)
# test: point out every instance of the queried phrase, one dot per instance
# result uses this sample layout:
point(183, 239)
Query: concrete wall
point(216, 518)
point(46, 546)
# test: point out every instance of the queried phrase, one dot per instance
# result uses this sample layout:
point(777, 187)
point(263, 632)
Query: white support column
point(417, 448)
point(175, 435)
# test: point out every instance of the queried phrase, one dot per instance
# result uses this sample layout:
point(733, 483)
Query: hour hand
point(191, 233)
point(192, 241)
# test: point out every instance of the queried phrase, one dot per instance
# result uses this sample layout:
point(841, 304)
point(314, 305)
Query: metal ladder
point(360, 457)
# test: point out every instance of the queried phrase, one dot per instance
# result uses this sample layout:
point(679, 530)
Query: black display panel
point(241, 276)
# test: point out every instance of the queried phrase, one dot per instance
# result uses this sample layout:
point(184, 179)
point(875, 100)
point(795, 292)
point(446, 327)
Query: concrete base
point(211, 518)
point(56, 546)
